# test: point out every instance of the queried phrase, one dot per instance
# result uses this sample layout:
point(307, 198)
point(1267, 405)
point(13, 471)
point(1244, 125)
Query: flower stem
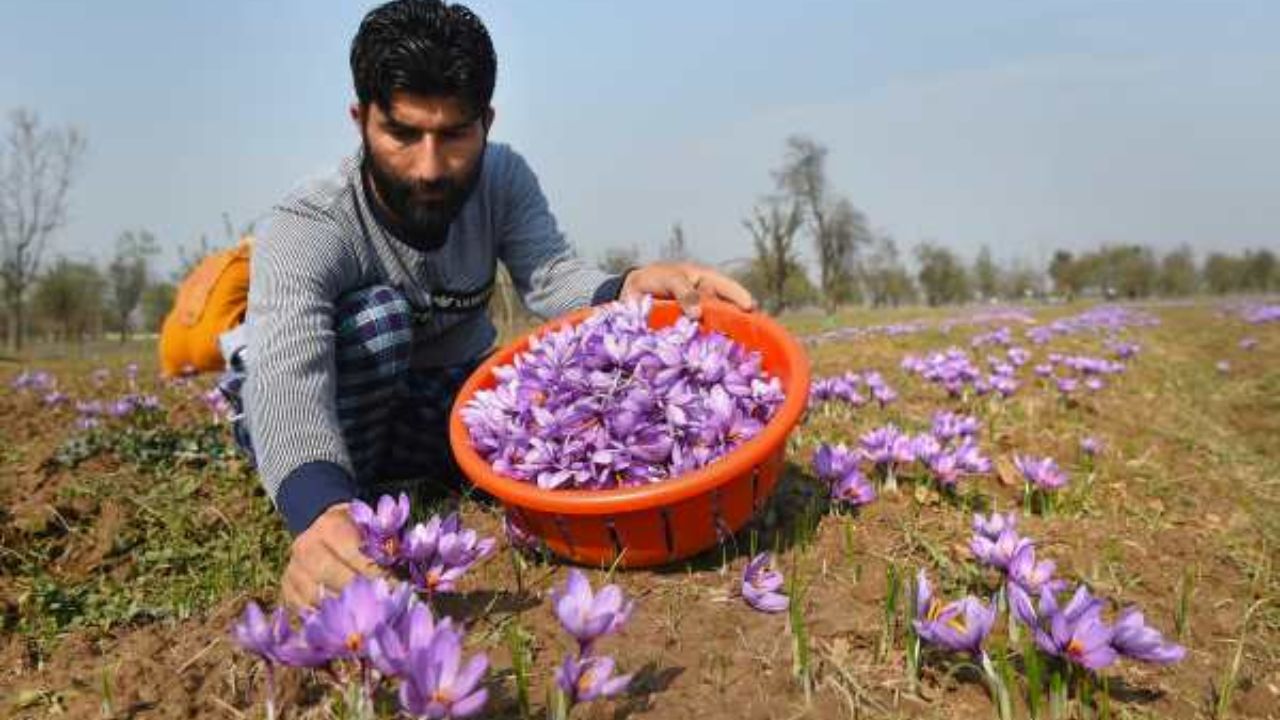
point(271, 691)
point(999, 692)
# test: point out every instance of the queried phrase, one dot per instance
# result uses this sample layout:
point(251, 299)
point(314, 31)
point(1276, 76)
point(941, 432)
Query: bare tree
point(836, 226)
point(676, 249)
point(619, 260)
point(773, 225)
point(36, 169)
point(128, 274)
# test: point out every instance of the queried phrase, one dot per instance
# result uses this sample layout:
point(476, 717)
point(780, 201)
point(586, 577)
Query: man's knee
point(374, 329)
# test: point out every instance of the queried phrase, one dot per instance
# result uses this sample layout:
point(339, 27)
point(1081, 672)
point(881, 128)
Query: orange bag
point(211, 300)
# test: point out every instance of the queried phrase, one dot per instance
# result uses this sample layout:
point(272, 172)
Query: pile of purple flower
point(613, 403)
point(434, 554)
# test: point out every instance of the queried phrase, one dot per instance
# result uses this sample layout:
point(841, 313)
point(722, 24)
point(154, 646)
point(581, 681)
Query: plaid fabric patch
point(394, 419)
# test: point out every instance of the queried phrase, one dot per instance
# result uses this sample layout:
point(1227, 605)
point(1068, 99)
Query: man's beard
point(419, 220)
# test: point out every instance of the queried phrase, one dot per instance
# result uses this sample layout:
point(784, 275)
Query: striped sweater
point(324, 240)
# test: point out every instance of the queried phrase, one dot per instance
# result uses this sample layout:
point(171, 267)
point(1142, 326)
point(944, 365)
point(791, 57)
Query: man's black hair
point(426, 47)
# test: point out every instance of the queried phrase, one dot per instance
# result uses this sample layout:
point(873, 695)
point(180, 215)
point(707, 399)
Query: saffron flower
point(761, 583)
point(438, 684)
point(992, 526)
point(380, 528)
point(998, 553)
point(262, 635)
point(587, 615)
point(1132, 637)
point(583, 679)
point(1041, 473)
point(961, 626)
point(853, 488)
point(342, 625)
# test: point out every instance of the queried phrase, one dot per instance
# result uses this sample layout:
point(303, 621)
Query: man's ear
point(357, 115)
point(489, 115)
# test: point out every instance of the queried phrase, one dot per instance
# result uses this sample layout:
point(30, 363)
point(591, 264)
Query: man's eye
point(406, 136)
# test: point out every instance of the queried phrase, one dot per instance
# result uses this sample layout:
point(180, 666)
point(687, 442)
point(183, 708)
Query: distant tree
point(1067, 275)
point(798, 291)
point(1132, 269)
point(1258, 272)
point(773, 225)
point(1177, 273)
point(69, 296)
point(837, 228)
point(1020, 282)
point(157, 302)
point(619, 260)
point(37, 167)
point(1223, 273)
point(942, 276)
point(986, 275)
point(676, 249)
point(884, 276)
point(127, 276)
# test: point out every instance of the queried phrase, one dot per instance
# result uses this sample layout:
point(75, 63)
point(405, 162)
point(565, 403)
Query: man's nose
point(430, 161)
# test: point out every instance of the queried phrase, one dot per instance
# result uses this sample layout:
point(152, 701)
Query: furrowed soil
point(127, 551)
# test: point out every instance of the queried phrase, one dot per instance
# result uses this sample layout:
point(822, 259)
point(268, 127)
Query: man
point(369, 287)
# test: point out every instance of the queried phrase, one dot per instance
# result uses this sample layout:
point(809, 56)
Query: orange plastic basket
point(668, 520)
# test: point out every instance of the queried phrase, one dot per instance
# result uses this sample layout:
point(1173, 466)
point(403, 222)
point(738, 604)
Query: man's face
point(423, 155)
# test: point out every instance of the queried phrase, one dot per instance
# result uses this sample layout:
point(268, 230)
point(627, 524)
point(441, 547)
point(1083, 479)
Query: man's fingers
point(685, 291)
point(300, 589)
point(728, 289)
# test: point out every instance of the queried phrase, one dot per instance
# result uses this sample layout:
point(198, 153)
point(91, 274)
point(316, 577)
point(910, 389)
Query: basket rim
point(745, 458)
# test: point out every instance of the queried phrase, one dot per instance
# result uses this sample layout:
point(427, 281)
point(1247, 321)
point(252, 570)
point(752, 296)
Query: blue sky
point(1022, 125)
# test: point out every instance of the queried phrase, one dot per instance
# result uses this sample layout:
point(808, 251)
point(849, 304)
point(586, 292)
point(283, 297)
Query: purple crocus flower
point(1248, 343)
point(342, 625)
point(970, 458)
point(587, 615)
point(391, 647)
point(1024, 571)
point(1084, 640)
point(261, 635)
point(438, 685)
point(584, 679)
point(960, 626)
point(998, 553)
point(991, 527)
point(853, 488)
point(1042, 473)
point(831, 462)
point(380, 528)
point(1090, 446)
point(1132, 637)
point(760, 585)
point(950, 426)
point(1067, 385)
point(878, 444)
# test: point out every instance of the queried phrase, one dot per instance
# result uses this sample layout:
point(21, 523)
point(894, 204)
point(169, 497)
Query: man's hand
point(687, 284)
point(328, 555)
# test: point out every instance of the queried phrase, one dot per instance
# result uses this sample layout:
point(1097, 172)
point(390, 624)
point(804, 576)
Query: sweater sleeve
point(296, 276)
point(549, 276)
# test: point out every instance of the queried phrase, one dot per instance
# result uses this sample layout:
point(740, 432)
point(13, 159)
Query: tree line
point(858, 265)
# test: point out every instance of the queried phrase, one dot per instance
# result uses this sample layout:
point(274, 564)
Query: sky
point(1024, 126)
